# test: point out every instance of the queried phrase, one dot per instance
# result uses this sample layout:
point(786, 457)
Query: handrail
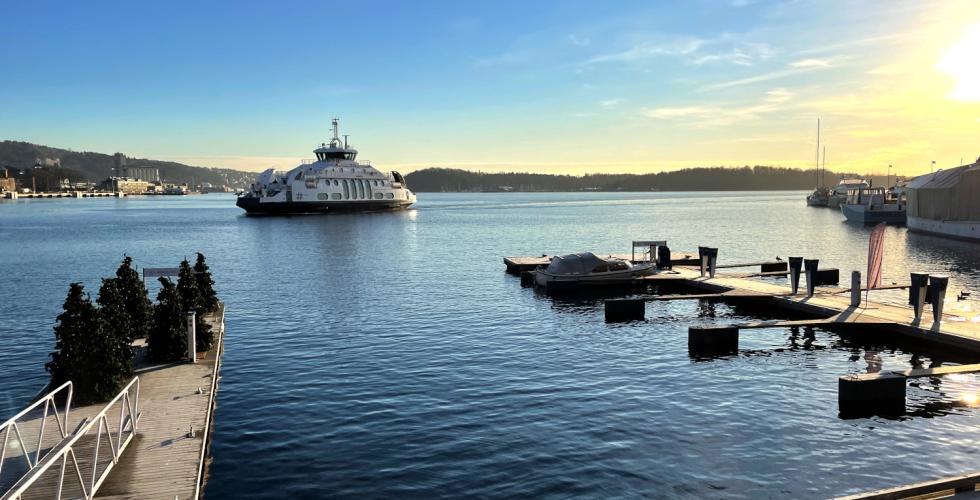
point(50, 403)
point(207, 421)
point(128, 420)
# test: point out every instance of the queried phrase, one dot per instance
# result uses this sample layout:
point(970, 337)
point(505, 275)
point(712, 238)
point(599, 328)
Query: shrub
point(89, 351)
point(205, 284)
point(168, 336)
point(193, 300)
point(136, 298)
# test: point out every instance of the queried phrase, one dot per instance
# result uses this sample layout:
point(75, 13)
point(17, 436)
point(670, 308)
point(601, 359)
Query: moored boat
point(838, 195)
point(334, 182)
point(872, 206)
point(819, 197)
point(590, 270)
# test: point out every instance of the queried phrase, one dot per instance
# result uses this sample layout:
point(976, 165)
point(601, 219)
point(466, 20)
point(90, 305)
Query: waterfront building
point(946, 202)
point(149, 174)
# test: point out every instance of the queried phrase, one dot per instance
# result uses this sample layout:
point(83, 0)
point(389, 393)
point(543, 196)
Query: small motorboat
point(590, 270)
point(819, 197)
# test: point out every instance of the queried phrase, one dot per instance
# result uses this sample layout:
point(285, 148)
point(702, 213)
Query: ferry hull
point(253, 206)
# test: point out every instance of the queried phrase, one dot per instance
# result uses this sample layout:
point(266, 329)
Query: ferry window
point(335, 182)
point(346, 190)
point(335, 196)
point(368, 185)
point(360, 189)
point(389, 195)
point(321, 196)
point(377, 196)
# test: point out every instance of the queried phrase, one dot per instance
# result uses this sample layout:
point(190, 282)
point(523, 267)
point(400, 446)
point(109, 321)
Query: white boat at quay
point(838, 195)
point(872, 206)
point(946, 203)
point(334, 182)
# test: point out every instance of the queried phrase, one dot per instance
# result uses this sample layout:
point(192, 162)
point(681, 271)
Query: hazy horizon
point(561, 88)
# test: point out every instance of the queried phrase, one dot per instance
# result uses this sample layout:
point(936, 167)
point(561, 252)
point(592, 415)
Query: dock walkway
point(953, 330)
point(168, 455)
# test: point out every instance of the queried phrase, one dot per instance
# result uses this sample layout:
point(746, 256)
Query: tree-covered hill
point(94, 167)
point(688, 179)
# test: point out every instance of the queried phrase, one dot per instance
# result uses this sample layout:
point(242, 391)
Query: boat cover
point(576, 263)
point(948, 195)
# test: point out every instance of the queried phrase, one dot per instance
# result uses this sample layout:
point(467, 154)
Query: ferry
point(334, 182)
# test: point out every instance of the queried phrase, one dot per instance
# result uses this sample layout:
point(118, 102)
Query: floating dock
point(152, 441)
point(829, 307)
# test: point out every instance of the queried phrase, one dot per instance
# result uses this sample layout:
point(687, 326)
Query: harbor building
point(945, 202)
point(149, 174)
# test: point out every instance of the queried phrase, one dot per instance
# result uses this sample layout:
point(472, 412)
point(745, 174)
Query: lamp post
point(933, 169)
point(888, 177)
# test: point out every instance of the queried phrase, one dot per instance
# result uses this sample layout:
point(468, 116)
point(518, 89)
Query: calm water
point(388, 355)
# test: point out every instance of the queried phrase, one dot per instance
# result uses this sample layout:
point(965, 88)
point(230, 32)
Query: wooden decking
point(954, 330)
point(168, 456)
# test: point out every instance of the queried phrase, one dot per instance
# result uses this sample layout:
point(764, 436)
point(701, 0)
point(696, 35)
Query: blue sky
point(543, 86)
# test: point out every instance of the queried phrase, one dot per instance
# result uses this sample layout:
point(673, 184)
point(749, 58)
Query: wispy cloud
point(716, 114)
point(682, 46)
point(811, 63)
point(581, 41)
point(610, 103)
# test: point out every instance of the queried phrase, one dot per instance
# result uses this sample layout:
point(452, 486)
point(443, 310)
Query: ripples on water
point(388, 355)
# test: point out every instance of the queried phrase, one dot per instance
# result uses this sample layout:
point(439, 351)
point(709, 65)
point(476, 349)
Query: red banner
point(876, 251)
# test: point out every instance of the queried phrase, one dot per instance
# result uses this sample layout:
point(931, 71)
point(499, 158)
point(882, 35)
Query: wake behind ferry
point(335, 182)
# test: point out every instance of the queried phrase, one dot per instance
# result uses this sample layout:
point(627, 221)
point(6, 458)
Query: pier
point(151, 441)
point(846, 309)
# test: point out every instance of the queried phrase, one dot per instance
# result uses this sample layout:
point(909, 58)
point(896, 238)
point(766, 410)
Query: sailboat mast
point(823, 170)
point(819, 183)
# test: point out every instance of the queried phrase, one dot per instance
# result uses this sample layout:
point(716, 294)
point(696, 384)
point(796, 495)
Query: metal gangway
point(46, 458)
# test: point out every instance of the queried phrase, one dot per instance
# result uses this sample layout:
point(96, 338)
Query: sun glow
point(961, 62)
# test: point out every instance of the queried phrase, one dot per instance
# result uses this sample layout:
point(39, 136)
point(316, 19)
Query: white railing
point(13, 425)
point(88, 484)
point(205, 443)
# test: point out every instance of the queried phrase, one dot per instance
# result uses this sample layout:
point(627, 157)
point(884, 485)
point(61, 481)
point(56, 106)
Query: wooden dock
point(169, 453)
point(953, 330)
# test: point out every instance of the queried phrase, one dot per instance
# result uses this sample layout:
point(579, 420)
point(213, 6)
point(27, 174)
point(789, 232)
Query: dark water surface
point(388, 355)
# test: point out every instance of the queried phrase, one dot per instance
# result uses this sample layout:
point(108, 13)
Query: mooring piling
point(937, 295)
point(855, 288)
point(862, 394)
point(918, 293)
point(712, 340)
point(811, 275)
point(620, 310)
point(795, 266)
point(527, 278)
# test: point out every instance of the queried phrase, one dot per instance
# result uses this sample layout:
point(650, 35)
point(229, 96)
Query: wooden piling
point(712, 340)
point(619, 310)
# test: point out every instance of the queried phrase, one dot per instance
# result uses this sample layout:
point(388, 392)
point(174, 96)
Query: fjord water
point(388, 355)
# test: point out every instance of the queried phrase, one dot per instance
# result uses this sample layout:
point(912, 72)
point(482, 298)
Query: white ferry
point(334, 182)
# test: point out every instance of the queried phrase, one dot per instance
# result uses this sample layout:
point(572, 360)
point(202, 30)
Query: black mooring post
point(703, 260)
point(663, 258)
point(917, 293)
point(937, 294)
point(810, 265)
point(712, 260)
point(795, 267)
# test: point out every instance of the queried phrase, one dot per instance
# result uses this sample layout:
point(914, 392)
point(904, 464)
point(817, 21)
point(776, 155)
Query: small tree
point(136, 298)
point(88, 350)
point(192, 300)
point(168, 336)
point(112, 358)
point(205, 284)
point(71, 333)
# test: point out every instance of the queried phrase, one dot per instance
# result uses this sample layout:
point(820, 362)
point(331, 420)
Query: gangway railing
point(75, 445)
point(17, 428)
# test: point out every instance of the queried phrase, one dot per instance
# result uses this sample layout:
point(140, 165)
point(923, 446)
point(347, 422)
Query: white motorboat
point(872, 206)
point(839, 194)
point(589, 269)
point(334, 182)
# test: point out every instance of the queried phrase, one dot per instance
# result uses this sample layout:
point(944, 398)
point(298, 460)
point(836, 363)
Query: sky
point(553, 87)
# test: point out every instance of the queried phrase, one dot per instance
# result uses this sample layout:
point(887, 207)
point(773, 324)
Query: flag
point(876, 249)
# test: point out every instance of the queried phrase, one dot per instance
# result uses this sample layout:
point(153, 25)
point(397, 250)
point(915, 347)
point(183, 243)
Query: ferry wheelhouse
point(334, 182)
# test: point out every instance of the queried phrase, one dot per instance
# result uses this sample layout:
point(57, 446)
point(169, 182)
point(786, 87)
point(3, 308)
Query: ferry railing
point(14, 426)
point(70, 449)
